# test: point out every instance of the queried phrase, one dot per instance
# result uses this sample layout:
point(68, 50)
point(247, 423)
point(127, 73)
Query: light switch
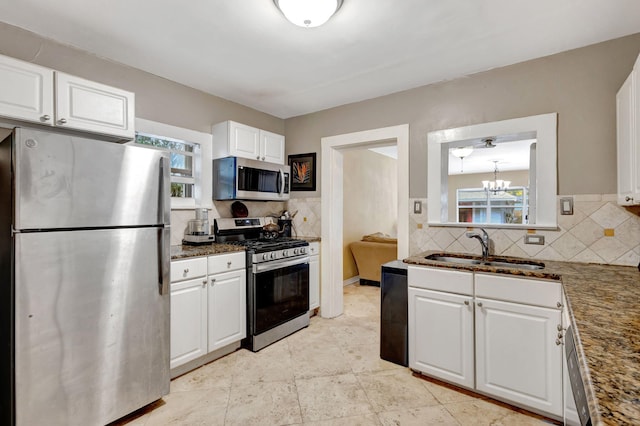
point(417, 207)
point(566, 206)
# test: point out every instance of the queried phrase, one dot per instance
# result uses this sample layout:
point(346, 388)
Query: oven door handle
point(270, 266)
point(282, 183)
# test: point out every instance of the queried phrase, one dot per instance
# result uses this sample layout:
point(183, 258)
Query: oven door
point(280, 293)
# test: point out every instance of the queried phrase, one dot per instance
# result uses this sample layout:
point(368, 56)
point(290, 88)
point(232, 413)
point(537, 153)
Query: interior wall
point(157, 98)
point(370, 188)
point(580, 85)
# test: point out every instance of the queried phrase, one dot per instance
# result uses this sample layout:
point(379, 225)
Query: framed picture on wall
point(303, 172)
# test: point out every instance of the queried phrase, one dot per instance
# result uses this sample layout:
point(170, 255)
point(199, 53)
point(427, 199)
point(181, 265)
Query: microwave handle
point(282, 183)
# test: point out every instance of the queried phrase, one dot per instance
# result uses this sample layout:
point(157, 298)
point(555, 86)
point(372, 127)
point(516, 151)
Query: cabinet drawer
point(226, 262)
point(189, 268)
point(519, 290)
point(440, 279)
point(314, 248)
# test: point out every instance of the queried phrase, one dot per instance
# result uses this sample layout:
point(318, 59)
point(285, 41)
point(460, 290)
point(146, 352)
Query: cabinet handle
point(466, 302)
point(229, 264)
point(559, 327)
point(204, 283)
point(560, 335)
point(258, 157)
point(627, 198)
point(45, 117)
point(186, 271)
point(213, 280)
point(480, 304)
point(62, 121)
point(559, 305)
point(558, 342)
point(262, 158)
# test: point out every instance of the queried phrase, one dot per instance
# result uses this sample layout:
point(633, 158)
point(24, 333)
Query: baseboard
point(351, 280)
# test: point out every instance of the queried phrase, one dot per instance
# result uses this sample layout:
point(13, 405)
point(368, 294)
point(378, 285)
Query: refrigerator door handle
point(164, 261)
point(164, 201)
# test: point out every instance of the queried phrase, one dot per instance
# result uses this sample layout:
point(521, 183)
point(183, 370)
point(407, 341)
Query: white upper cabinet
point(40, 95)
point(628, 138)
point(26, 91)
point(231, 139)
point(86, 105)
point(271, 147)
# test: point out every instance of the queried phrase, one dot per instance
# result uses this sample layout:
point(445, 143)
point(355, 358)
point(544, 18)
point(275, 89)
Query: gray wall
point(157, 99)
point(580, 85)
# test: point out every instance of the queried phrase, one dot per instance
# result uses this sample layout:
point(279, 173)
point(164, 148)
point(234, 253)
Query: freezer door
point(91, 325)
point(66, 182)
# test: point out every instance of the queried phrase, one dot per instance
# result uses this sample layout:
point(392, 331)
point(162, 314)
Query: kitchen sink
point(495, 262)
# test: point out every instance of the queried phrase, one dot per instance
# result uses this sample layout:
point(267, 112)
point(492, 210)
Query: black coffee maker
point(285, 227)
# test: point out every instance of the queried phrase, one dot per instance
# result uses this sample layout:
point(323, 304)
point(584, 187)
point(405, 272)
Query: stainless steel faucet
point(484, 241)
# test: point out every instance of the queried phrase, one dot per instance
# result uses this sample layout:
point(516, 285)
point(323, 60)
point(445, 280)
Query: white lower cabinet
point(441, 335)
point(509, 349)
point(517, 358)
point(207, 312)
point(314, 275)
point(188, 321)
point(227, 309)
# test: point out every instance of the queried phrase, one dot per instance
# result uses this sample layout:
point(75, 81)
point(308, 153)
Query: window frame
point(201, 167)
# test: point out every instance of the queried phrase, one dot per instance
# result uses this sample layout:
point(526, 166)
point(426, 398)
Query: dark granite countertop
point(604, 305)
point(185, 251)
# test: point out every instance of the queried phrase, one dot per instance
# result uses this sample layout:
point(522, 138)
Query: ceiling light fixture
point(497, 185)
point(460, 153)
point(308, 13)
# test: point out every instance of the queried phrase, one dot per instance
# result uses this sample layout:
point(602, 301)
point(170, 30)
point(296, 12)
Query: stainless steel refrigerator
point(84, 276)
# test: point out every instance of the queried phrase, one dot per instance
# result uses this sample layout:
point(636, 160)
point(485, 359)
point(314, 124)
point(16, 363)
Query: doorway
point(332, 205)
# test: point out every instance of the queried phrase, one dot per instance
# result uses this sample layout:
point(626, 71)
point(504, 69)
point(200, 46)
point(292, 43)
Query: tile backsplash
point(580, 237)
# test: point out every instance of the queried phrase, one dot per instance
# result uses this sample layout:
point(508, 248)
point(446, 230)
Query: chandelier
point(308, 13)
point(496, 185)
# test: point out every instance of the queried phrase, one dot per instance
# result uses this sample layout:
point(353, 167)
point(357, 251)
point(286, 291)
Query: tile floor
point(327, 374)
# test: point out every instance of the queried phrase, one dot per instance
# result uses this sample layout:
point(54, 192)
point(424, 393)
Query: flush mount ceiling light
point(308, 13)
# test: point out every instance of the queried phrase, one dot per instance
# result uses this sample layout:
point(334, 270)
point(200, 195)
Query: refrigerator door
point(91, 325)
point(66, 182)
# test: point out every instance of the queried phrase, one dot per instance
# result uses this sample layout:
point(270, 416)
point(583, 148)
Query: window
point(184, 156)
point(476, 205)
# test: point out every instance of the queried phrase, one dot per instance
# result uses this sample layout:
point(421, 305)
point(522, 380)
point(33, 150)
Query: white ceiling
point(245, 51)
point(510, 155)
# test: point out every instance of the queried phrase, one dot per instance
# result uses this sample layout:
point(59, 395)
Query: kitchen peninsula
point(602, 301)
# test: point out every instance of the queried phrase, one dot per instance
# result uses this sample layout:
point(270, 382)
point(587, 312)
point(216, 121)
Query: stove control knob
point(285, 253)
point(273, 256)
point(295, 251)
point(303, 250)
point(265, 257)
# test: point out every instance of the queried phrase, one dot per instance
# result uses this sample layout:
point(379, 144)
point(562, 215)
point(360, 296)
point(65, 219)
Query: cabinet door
point(188, 321)
point(227, 309)
point(26, 91)
point(244, 141)
point(517, 355)
point(626, 149)
point(271, 147)
point(314, 282)
point(86, 105)
point(441, 335)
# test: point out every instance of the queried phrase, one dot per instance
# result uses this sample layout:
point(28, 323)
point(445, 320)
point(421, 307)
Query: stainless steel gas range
point(277, 279)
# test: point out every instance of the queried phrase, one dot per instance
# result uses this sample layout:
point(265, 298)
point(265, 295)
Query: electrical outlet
point(417, 207)
point(534, 239)
point(566, 205)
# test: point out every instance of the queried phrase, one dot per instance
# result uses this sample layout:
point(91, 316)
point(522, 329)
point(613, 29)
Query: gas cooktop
point(265, 245)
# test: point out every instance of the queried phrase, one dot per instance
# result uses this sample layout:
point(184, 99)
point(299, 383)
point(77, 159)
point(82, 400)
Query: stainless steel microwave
point(242, 179)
